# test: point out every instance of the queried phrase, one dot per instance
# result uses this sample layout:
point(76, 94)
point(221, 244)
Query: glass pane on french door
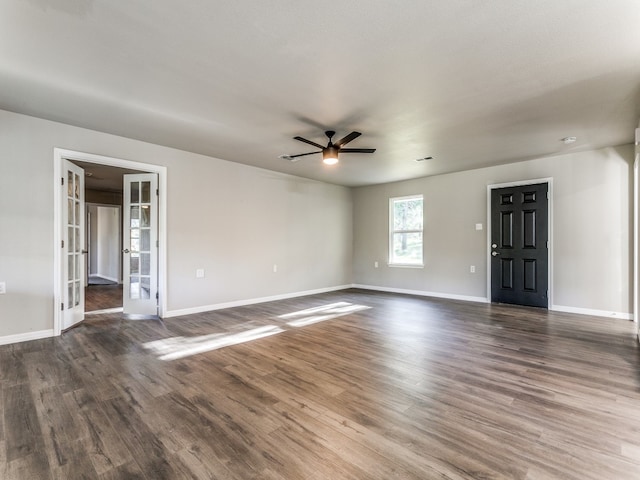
point(140, 244)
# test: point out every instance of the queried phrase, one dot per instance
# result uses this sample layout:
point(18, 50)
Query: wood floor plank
point(23, 432)
point(148, 452)
point(100, 437)
point(373, 465)
point(12, 367)
point(128, 471)
point(58, 426)
point(418, 451)
point(400, 387)
point(29, 466)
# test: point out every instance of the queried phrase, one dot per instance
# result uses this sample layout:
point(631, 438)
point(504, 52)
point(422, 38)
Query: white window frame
point(390, 262)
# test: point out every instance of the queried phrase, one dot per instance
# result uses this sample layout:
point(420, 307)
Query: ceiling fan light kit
point(330, 153)
point(330, 156)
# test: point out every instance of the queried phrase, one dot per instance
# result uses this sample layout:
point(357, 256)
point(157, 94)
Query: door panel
point(140, 234)
point(73, 246)
point(530, 276)
point(507, 272)
point(506, 228)
point(519, 253)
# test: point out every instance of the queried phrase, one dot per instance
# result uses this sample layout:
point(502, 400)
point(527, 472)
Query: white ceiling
point(471, 83)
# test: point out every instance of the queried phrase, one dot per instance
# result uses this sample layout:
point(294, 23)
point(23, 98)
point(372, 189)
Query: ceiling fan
point(331, 151)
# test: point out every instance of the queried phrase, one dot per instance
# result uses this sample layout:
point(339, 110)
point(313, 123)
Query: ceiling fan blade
point(302, 154)
point(347, 139)
point(309, 142)
point(357, 150)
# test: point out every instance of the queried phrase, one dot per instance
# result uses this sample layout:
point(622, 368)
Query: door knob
point(126, 250)
point(494, 253)
point(493, 245)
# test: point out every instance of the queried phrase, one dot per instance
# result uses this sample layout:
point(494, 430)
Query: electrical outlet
point(3, 288)
point(472, 269)
point(275, 268)
point(375, 264)
point(200, 273)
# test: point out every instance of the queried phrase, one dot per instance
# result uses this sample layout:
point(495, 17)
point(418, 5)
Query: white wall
point(233, 220)
point(591, 230)
point(92, 243)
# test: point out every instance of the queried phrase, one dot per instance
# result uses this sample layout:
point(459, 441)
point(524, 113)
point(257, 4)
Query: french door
point(140, 244)
point(73, 244)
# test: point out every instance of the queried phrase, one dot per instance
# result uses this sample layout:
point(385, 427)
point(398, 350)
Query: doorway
point(519, 254)
point(104, 244)
point(98, 167)
point(103, 289)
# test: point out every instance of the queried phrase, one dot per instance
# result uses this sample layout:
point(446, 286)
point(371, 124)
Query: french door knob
point(494, 253)
point(126, 250)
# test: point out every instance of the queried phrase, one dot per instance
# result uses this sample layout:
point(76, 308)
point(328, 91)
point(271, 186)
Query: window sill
point(406, 265)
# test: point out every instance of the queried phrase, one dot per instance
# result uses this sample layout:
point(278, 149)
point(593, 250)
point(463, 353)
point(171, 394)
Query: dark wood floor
point(102, 297)
point(410, 388)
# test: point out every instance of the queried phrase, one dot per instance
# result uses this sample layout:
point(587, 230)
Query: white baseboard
point(422, 293)
point(589, 311)
point(556, 308)
point(251, 301)
point(25, 337)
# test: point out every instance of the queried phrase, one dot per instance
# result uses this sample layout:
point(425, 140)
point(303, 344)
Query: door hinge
point(157, 296)
point(61, 180)
point(547, 243)
point(62, 307)
point(157, 243)
point(157, 192)
point(62, 243)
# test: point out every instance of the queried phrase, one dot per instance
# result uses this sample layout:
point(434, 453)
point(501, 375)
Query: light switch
point(478, 226)
point(200, 273)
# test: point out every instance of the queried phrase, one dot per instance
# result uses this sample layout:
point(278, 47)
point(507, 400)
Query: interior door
point(140, 244)
point(519, 245)
point(73, 245)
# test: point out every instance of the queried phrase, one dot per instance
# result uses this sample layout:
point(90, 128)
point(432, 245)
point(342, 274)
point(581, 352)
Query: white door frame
point(549, 181)
point(636, 235)
point(60, 154)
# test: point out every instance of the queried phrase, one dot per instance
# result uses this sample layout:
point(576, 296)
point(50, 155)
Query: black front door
point(519, 248)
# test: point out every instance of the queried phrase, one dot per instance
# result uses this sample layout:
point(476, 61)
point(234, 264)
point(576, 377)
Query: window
point(405, 231)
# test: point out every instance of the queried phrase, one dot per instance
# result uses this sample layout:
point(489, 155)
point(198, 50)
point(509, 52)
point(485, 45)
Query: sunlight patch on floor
point(105, 311)
point(310, 316)
point(179, 347)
